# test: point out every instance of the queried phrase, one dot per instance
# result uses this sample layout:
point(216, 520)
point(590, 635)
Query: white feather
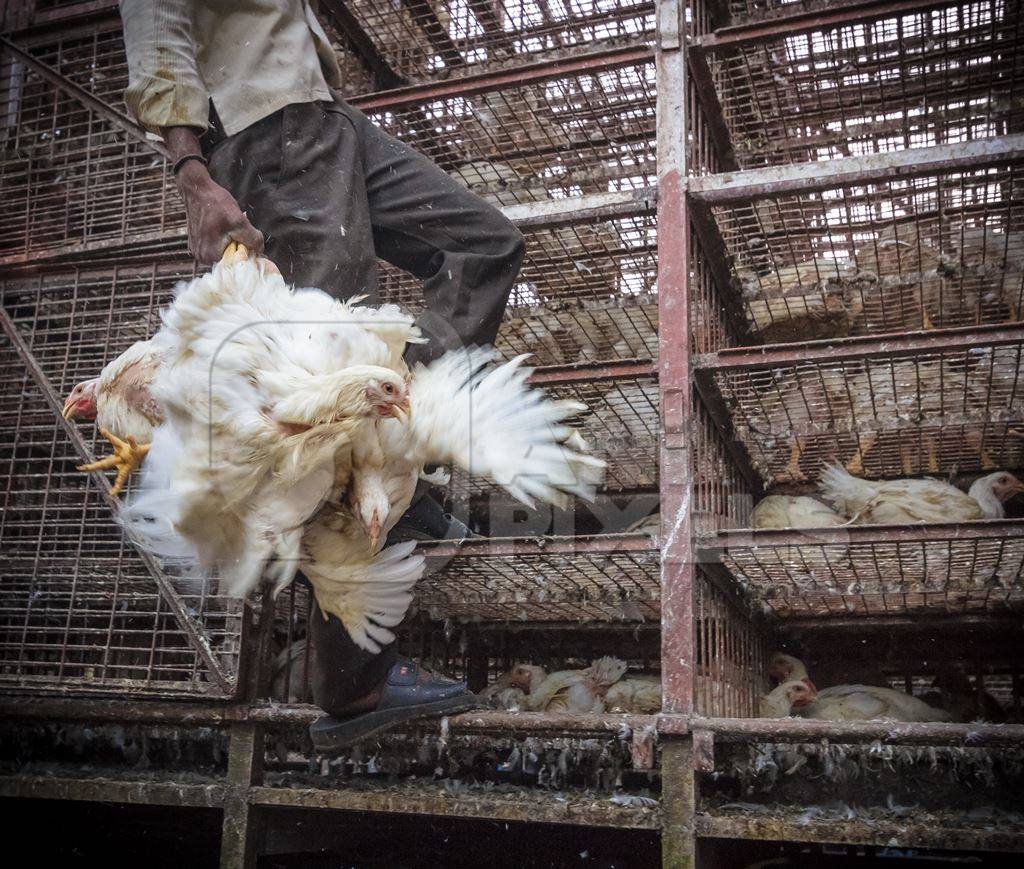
point(369, 596)
point(488, 421)
point(262, 389)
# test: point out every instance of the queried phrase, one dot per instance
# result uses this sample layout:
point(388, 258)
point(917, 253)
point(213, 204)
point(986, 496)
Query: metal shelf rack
point(760, 235)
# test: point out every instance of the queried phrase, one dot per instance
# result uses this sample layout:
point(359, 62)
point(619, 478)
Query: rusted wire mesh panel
point(554, 579)
point(79, 607)
point(936, 76)
point(881, 415)
point(422, 39)
point(77, 321)
point(591, 131)
point(722, 497)
point(744, 11)
point(68, 177)
point(935, 251)
point(972, 567)
point(584, 331)
point(732, 654)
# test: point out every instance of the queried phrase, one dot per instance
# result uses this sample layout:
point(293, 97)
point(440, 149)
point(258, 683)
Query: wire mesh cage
point(747, 11)
point(424, 39)
point(948, 569)
point(67, 176)
point(938, 250)
point(81, 608)
point(724, 488)
point(604, 578)
point(906, 412)
point(731, 653)
point(527, 138)
point(941, 74)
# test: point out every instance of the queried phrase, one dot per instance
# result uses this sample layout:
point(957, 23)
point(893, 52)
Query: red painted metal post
point(674, 365)
point(677, 567)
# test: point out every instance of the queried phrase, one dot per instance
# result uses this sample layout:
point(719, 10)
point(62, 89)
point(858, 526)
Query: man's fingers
point(250, 236)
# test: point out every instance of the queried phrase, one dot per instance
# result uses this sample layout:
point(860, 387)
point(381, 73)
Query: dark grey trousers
point(331, 193)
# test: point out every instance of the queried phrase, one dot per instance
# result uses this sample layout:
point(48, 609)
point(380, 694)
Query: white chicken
point(578, 691)
point(852, 702)
point(789, 511)
point(783, 699)
point(908, 501)
point(869, 702)
point(510, 689)
point(122, 403)
point(267, 416)
point(640, 694)
point(523, 677)
point(486, 421)
point(262, 395)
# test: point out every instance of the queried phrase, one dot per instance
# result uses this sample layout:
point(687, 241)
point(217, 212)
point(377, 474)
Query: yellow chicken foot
point(127, 457)
point(236, 253)
point(865, 443)
point(792, 471)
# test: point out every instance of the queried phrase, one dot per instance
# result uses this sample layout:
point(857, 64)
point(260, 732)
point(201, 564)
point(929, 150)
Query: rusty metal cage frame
point(570, 138)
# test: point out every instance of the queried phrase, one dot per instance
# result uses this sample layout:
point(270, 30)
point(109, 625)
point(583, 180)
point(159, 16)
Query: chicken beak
point(68, 411)
point(373, 532)
point(401, 410)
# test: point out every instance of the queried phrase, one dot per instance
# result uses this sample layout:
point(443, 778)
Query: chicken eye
point(388, 388)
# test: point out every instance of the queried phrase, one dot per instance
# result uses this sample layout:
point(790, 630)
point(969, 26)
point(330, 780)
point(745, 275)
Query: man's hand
point(214, 218)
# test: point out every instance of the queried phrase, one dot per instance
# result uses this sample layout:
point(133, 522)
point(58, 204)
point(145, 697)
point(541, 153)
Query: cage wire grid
point(585, 132)
point(600, 582)
point(898, 81)
point(887, 415)
point(952, 570)
point(731, 653)
point(80, 608)
point(68, 177)
point(941, 250)
point(429, 39)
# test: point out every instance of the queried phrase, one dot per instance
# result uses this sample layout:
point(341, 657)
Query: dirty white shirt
point(251, 57)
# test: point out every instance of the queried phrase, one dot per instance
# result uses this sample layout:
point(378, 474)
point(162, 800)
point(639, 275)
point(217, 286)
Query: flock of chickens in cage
point(904, 278)
point(857, 501)
point(901, 279)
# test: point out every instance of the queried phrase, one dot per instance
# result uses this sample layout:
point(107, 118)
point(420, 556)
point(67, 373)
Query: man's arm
point(166, 94)
point(214, 218)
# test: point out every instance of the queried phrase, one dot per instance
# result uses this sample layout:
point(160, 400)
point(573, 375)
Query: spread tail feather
point(369, 598)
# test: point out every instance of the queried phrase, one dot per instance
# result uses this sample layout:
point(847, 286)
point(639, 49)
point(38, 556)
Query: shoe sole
point(345, 733)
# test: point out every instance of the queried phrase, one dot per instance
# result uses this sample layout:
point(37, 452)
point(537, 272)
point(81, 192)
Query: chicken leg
point(127, 457)
point(865, 442)
point(236, 253)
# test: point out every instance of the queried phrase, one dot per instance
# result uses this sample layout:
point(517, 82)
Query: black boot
point(409, 692)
